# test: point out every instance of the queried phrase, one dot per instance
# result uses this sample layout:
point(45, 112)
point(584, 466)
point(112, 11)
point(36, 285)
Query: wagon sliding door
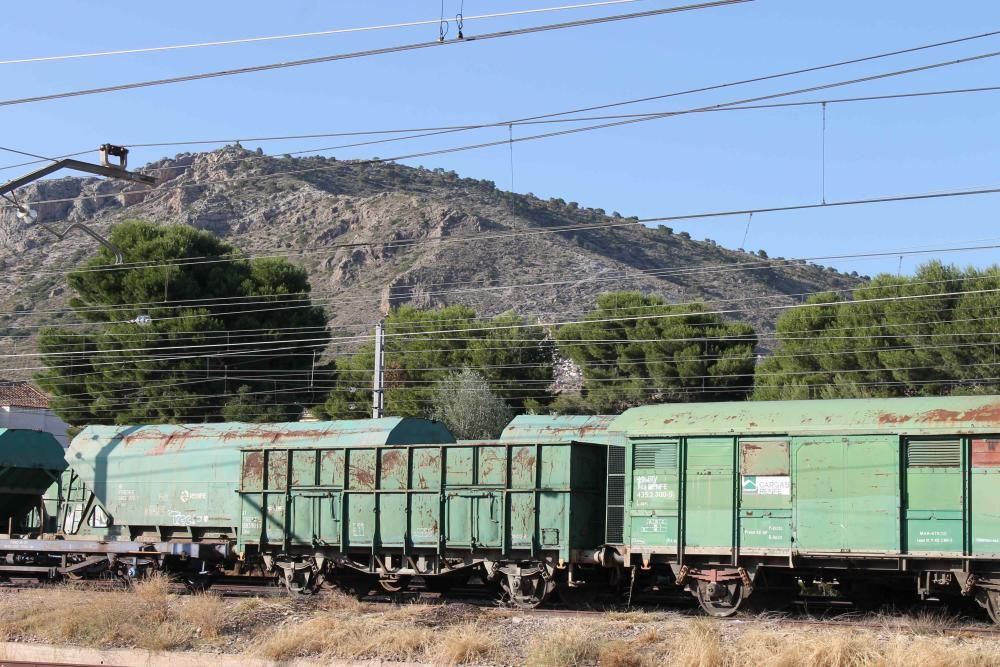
point(708, 523)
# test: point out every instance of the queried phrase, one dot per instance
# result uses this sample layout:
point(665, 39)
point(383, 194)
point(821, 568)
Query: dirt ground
point(333, 626)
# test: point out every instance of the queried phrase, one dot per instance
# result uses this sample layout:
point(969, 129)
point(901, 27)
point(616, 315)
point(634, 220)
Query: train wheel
point(719, 600)
point(394, 583)
point(301, 581)
point(990, 601)
point(526, 589)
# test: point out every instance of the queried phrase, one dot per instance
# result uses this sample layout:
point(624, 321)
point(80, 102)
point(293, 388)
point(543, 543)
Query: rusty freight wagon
point(515, 511)
point(872, 495)
point(138, 498)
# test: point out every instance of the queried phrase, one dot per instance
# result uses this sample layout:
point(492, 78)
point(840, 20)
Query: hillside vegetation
point(323, 214)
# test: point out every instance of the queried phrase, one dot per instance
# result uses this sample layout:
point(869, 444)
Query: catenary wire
point(367, 53)
point(316, 33)
point(757, 79)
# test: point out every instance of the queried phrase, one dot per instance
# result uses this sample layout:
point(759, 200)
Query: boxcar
point(726, 498)
point(511, 511)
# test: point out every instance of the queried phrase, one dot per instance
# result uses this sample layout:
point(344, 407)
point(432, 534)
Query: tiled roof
point(22, 395)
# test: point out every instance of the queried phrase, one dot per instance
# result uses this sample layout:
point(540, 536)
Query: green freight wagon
point(30, 462)
point(142, 497)
point(513, 511)
point(724, 498)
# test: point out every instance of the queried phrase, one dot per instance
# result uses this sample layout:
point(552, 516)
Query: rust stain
point(276, 470)
point(253, 469)
point(889, 418)
point(364, 477)
point(394, 467)
point(986, 453)
point(175, 441)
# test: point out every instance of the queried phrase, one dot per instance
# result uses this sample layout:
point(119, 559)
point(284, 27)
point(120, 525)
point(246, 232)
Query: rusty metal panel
point(361, 469)
point(909, 416)
point(492, 465)
point(331, 468)
point(459, 466)
point(522, 467)
point(303, 468)
point(425, 513)
point(986, 453)
point(276, 463)
point(394, 469)
point(252, 474)
point(522, 520)
point(426, 467)
point(764, 457)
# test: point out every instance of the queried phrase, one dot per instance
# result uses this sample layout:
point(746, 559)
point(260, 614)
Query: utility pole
point(107, 168)
point(378, 385)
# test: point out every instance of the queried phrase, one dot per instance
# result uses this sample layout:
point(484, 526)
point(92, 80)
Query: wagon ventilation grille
point(615, 519)
point(649, 455)
point(934, 453)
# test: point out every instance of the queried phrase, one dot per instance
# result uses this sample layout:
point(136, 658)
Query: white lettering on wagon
point(186, 495)
point(650, 487)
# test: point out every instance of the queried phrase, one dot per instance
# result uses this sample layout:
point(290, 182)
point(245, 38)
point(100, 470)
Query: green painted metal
point(565, 428)
point(653, 512)
point(884, 492)
point(984, 512)
point(185, 476)
point(847, 495)
point(513, 497)
point(708, 494)
point(955, 415)
point(30, 461)
point(934, 495)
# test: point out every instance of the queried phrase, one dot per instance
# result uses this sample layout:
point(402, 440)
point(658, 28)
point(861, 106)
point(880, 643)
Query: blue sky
point(696, 163)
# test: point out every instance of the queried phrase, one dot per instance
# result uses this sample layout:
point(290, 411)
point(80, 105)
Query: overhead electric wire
point(306, 388)
point(315, 33)
point(506, 327)
point(318, 298)
point(370, 52)
point(588, 128)
point(461, 128)
point(757, 79)
point(228, 333)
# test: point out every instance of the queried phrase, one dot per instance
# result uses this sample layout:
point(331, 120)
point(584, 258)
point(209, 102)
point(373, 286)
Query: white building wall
point(34, 419)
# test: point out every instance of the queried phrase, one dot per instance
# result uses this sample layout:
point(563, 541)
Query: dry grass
point(392, 635)
point(340, 627)
point(567, 646)
point(140, 617)
point(206, 613)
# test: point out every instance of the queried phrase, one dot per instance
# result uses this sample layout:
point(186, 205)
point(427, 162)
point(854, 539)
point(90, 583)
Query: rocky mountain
point(373, 235)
